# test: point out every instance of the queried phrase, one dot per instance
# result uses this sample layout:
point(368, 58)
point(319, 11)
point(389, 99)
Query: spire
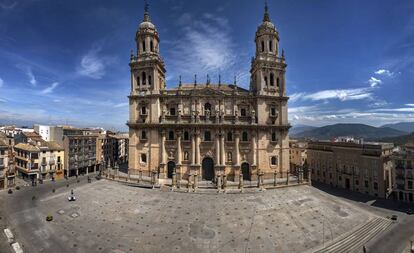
point(146, 13)
point(266, 17)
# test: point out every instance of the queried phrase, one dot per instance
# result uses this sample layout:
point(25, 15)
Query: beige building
point(403, 162)
point(4, 163)
point(208, 129)
point(39, 160)
point(297, 155)
point(364, 168)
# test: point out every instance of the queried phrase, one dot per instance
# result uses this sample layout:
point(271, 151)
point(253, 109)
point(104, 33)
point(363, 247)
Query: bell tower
point(147, 67)
point(268, 66)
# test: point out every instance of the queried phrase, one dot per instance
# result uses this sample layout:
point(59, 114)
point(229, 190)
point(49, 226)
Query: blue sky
point(67, 61)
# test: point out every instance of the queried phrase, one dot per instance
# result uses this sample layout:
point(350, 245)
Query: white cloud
point(50, 89)
point(29, 73)
point(404, 109)
point(374, 81)
point(121, 105)
point(3, 100)
point(412, 105)
point(1, 82)
point(206, 44)
point(341, 94)
point(92, 65)
point(384, 72)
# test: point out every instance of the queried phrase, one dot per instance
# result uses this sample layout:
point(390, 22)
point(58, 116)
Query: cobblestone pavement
point(111, 217)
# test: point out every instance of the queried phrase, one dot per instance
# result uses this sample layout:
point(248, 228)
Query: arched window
point(263, 45)
point(243, 112)
point(229, 156)
point(144, 158)
point(245, 136)
point(270, 46)
point(274, 136)
point(277, 82)
point(149, 80)
point(272, 79)
point(207, 107)
point(144, 78)
point(186, 136)
point(172, 111)
point(143, 135)
point(207, 136)
point(229, 136)
point(273, 160)
point(171, 135)
point(151, 46)
point(265, 79)
point(143, 46)
point(144, 110)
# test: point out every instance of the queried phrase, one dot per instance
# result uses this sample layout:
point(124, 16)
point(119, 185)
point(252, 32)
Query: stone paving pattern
point(111, 217)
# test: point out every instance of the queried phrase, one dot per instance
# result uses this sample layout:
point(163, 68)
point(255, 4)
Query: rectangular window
point(143, 158)
point(273, 111)
point(366, 183)
point(376, 186)
point(243, 112)
point(410, 185)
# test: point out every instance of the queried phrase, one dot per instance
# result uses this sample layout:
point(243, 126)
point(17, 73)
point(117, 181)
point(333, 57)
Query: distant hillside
point(402, 126)
point(296, 129)
point(355, 130)
point(399, 140)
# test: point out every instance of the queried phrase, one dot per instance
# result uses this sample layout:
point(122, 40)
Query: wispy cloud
point(374, 81)
point(385, 72)
point(1, 82)
point(8, 5)
point(412, 105)
point(50, 89)
point(340, 94)
point(92, 65)
point(29, 73)
point(121, 105)
point(206, 43)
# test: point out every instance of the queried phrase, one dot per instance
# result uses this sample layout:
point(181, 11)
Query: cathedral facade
point(206, 130)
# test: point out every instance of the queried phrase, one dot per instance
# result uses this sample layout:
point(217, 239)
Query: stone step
point(345, 238)
point(358, 244)
point(357, 238)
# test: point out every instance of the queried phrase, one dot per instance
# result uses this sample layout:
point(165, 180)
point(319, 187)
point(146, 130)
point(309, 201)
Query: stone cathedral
point(208, 130)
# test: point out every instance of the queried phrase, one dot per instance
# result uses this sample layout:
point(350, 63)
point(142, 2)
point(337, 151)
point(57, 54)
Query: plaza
point(112, 217)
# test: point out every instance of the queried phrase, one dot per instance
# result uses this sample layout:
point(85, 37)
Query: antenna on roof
point(235, 80)
point(195, 80)
point(208, 79)
point(179, 84)
point(219, 80)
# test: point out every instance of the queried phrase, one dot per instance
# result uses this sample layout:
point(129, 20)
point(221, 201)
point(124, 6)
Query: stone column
point(163, 153)
point(223, 152)
point(218, 149)
point(193, 149)
point(179, 148)
point(174, 180)
point(237, 142)
point(254, 149)
point(198, 148)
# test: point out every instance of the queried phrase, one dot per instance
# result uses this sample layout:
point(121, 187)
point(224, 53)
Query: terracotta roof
point(33, 135)
point(27, 147)
point(3, 143)
point(52, 145)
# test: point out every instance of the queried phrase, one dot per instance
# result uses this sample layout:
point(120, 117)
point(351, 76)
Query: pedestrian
point(364, 249)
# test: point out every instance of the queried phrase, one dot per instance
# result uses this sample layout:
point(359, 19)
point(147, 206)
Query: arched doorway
point(170, 169)
point(245, 168)
point(207, 168)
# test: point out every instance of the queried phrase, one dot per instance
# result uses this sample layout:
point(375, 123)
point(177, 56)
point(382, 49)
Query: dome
point(146, 25)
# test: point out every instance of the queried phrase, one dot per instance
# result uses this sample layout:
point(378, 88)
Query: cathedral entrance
point(207, 168)
point(170, 169)
point(245, 168)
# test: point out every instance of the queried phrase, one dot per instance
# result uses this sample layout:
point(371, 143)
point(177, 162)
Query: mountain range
point(402, 126)
point(355, 130)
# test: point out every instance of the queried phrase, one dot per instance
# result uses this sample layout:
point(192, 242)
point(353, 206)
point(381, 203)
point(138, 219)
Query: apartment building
point(360, 167)
point(403, 162)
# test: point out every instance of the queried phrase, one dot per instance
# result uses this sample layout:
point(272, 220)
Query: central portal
point(207, 168)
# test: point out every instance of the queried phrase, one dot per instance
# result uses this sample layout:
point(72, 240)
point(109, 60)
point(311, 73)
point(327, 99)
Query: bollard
point(275, 178)
point(174, 180)
point(241, 182)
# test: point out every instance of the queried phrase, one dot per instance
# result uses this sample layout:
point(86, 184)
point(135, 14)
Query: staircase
point(355, 240)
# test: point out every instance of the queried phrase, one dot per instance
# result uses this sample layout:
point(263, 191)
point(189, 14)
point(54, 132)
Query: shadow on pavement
point(363, 198)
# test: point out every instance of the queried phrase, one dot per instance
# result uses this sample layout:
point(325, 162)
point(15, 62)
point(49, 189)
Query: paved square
point(111, 217)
